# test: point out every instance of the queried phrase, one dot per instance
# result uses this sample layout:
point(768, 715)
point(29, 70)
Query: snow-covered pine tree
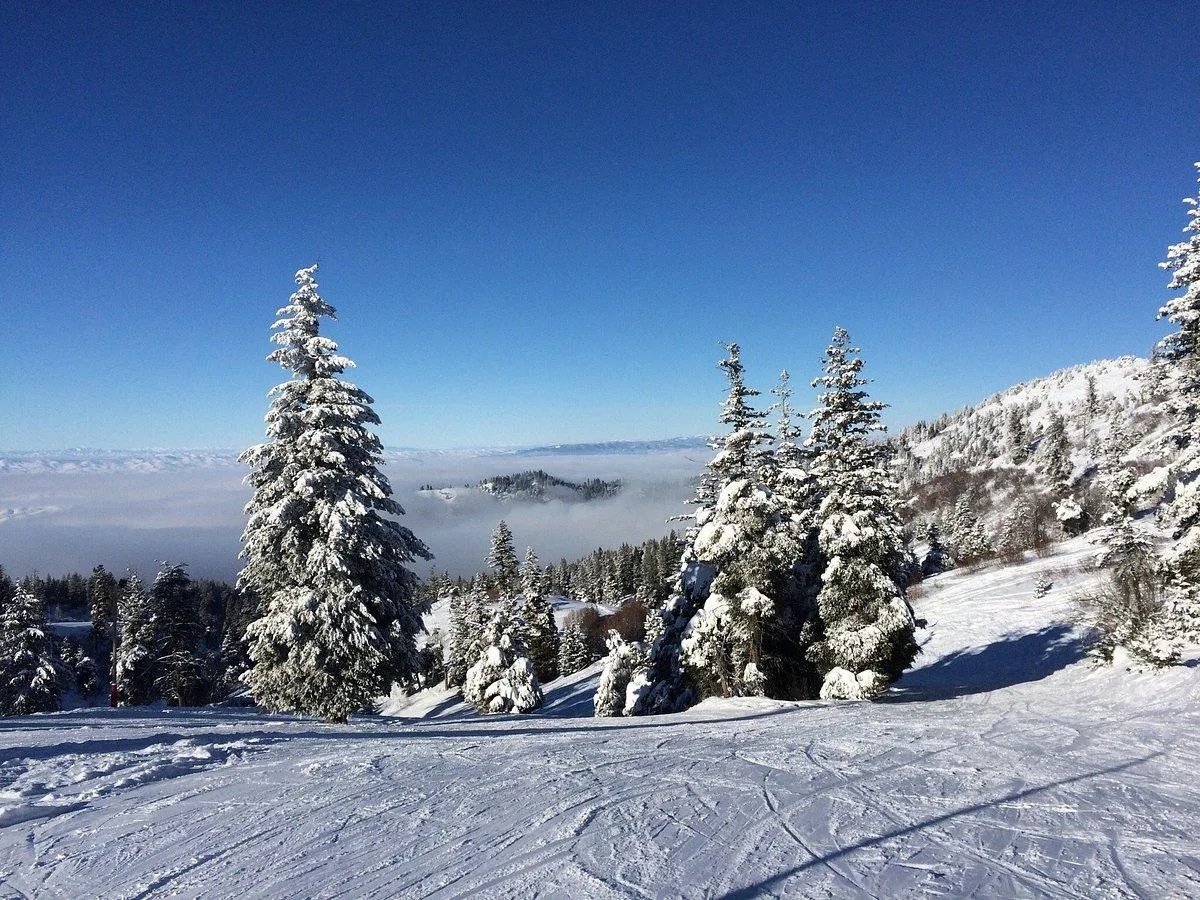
point(181, 676)
point(968, 536)
point(502, 560)
point(789, 463)
point(624, 661)
point(867, 638)
point(1055, 452)
point(103, 593)
point(1177, 365)
point(1125, 608)
point(502, 680)
point(541, 629)
point(937, 558)
point(723, 631)
point(137, 645)
point(573, 653)
point(1018, 531)
point(458, 637)
point(1017, 433)
point(339, 612)
point(32, 678)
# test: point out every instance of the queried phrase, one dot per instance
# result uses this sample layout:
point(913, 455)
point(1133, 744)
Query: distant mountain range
point(83, 459)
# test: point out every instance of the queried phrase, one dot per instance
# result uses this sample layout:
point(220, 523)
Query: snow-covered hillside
point(1003, 765)
point(1089, 397)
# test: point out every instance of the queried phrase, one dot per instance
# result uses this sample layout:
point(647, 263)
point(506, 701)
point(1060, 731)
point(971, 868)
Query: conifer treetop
point(303, 349)
point(845, 412)
point(1183, 261)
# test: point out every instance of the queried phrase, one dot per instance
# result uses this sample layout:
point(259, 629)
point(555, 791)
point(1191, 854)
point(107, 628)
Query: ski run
point(1004, 764)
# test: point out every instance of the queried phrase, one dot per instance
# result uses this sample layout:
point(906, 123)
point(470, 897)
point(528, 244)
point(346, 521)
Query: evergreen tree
point(1125, 611)
point(1018, 531)
point(31, 676)
point(469, 620)
point(711, 635)
point(458, 638)
point(339, 613)
point(502, 679)
point(1056, 452)
point(1091, 399)
point(541, 629)
point(184, 675)
point(573, 653)
point(1177, 359)
point(137, 647)
point(502, 559)
point(103, 594)
point(971, 542)
point(937, 558)
point(1017, 435)
point(867, 627)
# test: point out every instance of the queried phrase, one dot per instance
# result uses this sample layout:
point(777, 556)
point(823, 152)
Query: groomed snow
point(1003, 766)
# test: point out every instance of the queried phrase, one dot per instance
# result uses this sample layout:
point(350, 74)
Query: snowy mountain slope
point(977, 437)
point(1003, 766)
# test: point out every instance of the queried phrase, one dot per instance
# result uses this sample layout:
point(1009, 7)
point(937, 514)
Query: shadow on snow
point(759, 888)
point(1012, 660)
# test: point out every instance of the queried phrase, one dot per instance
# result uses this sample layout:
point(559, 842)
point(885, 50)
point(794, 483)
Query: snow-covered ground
point(1003, 766)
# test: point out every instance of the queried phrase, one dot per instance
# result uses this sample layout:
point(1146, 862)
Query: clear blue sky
point(537, 220)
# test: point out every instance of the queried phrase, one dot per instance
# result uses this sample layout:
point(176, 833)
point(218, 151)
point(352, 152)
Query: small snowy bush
point(503, 679)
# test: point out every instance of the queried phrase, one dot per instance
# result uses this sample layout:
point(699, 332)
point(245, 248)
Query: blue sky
point(537, 220)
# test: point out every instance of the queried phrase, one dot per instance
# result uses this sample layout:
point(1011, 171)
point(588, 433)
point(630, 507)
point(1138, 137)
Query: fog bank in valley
point(56, 522)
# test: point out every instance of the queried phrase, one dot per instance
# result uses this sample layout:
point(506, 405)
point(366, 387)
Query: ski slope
point(1003, 766)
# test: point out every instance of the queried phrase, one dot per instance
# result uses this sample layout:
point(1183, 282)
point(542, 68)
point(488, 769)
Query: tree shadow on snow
point(1012, 660)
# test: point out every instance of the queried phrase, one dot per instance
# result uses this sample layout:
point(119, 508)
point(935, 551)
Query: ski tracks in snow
point(1004, 767)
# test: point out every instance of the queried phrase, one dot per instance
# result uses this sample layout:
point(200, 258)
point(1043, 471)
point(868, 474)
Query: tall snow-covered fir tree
point(713, 637)
point(32, 678)
point(502, 560)
point(339, 611)
point(458, 636)
point(179, 668)
point(541, 629)
point(1177, 359)
point(137, 645)
point(1055, 452)
point(867, 637)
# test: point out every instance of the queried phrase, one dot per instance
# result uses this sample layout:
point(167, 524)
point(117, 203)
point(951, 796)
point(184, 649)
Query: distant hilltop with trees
point(542, 487)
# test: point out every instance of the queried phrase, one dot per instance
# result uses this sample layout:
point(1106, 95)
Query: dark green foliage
point(536, 484)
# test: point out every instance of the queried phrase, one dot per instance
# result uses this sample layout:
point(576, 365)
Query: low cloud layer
point(55, 522)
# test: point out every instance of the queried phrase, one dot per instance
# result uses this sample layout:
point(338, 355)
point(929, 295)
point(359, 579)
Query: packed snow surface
point(1004, 765)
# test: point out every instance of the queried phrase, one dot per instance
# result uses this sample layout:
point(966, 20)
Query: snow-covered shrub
point(502, 680)
point(1070, 516)
point(842, 684)
point(625, 660)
